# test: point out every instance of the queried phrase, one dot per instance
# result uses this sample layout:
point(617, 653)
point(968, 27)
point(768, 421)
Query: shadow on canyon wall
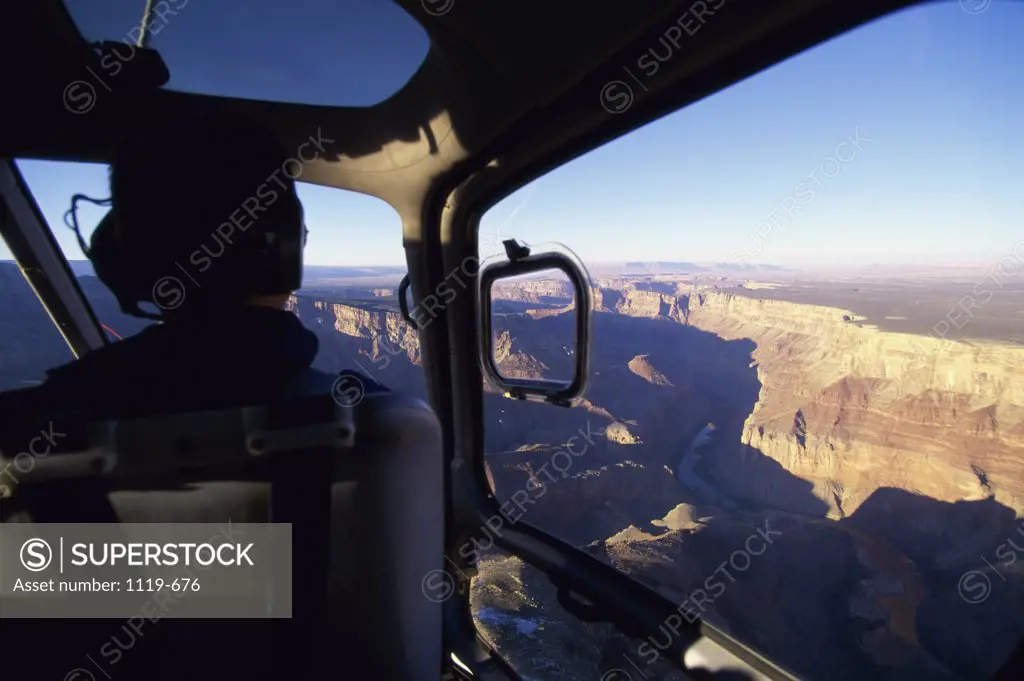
point(654, 386)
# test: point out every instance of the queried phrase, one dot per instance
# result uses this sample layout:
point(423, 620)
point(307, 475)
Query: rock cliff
point(879, 409)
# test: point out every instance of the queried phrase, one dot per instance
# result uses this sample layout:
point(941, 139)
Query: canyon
point(890, 462)
point(879, 473)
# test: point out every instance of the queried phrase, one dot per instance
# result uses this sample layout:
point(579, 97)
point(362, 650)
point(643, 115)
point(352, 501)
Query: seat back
point(386, 534)
point(394, 510)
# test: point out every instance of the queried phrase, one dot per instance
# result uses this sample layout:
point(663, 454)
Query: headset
point(271, 265)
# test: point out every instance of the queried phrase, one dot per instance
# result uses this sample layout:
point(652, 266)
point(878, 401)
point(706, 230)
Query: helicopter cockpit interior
point(388, 498)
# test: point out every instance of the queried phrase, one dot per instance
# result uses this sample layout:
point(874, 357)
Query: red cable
point(111, 331)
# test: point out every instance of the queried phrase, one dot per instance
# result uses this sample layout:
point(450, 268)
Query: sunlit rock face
point(851, 408)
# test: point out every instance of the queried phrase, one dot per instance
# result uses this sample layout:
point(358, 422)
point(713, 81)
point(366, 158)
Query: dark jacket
point(244, 356)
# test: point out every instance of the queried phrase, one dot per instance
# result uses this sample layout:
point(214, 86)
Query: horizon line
point(721, 264)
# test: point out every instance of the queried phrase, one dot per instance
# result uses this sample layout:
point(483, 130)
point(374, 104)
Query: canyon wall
point(373, 339)
point(852, 408)
point(845, 406)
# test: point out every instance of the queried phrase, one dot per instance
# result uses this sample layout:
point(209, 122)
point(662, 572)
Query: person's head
point(204, 216)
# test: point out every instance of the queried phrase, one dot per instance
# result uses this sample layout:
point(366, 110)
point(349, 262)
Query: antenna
point(147, 19)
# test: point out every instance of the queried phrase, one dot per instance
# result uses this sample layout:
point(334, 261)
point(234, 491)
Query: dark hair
point(206, 200)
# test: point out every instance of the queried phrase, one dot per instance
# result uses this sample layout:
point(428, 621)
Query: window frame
point(42, 262)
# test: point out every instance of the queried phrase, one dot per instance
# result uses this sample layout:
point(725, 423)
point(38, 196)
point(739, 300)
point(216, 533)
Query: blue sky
point(935, 95)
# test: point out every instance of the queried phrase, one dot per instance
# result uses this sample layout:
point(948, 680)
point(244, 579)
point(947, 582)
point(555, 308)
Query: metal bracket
point(516, 251)
point(261, 441)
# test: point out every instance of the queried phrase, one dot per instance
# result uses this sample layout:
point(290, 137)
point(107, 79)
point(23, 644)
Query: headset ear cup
point(281, 260)
point(292, 260)
point(294, 257)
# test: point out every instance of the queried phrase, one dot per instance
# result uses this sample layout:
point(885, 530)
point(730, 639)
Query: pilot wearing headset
point(206, 231)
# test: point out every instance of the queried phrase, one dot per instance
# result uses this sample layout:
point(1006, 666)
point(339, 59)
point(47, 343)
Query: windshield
point(805, 415)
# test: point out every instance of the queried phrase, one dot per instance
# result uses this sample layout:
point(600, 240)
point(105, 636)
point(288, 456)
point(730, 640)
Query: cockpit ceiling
point(518, 82)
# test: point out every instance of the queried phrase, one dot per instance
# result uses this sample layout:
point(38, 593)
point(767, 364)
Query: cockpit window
point(805, 419)
point(305, 51)
point(353, 263)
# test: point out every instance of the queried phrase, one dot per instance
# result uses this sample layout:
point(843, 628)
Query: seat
point(386, 534)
